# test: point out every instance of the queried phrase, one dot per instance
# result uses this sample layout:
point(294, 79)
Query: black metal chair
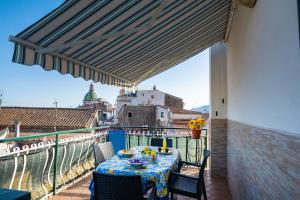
point(117, 187)
point(98, 156)
point(187, 185)
point(158, 142)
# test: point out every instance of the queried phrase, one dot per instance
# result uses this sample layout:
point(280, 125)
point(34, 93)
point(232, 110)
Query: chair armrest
point(184, 176)
point(188, 163)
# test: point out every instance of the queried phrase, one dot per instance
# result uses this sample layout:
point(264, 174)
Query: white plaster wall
point(264, 66)
point(218, 81)
point(122, 100)
point(159, 98)
point(164, 120)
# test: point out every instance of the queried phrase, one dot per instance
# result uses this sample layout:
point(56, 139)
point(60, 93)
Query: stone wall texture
point(263, 164)
point(218, 147)
point(140, 115)
point(172, 101)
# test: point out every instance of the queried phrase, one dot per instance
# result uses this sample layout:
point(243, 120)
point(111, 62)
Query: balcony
point(60, 166)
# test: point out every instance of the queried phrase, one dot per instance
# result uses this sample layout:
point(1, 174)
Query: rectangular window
point(129, 114)
point(162, 114)
point(152, 96)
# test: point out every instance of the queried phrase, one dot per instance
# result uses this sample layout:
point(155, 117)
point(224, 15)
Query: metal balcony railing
point(190, 149)
point(50, 162)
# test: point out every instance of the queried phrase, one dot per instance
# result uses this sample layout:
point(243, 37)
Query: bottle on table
point(164, 145)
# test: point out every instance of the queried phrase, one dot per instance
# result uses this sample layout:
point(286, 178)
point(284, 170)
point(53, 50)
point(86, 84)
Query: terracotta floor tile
point(217, 188)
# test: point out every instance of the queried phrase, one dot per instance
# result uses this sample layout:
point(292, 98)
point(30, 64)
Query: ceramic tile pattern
point(216, 187)
point(218, 148)
point(262, 164)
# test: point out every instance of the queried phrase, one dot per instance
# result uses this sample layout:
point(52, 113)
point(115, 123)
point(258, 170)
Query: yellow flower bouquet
point(196, 125)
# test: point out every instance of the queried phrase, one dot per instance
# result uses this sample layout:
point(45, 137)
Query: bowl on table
point(124, 153)
point(136, 163)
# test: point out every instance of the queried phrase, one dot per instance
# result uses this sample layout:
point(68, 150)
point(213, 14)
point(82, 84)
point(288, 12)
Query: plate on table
point(124, 153)
point(136, 163)
point(169, 151)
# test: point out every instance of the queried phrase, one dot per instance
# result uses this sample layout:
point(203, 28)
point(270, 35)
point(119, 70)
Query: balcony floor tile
point(216, 188)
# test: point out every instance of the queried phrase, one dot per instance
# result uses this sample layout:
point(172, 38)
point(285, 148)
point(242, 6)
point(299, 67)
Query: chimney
point(17, 128)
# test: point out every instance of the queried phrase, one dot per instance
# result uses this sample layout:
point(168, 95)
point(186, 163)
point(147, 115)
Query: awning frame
point(125, 42)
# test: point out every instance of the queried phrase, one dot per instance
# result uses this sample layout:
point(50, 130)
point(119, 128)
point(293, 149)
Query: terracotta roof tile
point(46, 117)
point(183, 111)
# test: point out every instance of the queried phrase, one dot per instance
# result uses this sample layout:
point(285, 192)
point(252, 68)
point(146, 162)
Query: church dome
point(91, 95)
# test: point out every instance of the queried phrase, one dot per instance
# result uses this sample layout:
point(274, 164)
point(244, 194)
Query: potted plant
point(196, 125)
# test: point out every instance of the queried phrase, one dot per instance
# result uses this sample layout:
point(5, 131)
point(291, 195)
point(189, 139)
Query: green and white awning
point(121, 42)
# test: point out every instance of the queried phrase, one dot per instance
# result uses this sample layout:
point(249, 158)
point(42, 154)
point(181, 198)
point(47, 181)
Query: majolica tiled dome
point(91, 95)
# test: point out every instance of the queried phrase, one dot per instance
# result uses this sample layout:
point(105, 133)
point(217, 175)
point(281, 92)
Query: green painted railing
point(53, 151)
point(59, 156)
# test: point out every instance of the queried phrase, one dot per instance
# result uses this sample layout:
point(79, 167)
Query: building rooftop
point(183, 111)
point(67, 118)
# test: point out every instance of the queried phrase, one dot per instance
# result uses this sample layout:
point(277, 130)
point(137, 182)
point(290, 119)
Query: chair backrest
point(107, 150)
point(206, 154)
point(98, 156)
point(158, 142)
point(117, 187)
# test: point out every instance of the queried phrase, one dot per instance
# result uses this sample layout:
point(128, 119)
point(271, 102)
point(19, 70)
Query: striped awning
point(121, 42)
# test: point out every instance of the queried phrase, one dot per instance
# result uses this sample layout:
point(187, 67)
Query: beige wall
point(218, 81)
point(264, 66)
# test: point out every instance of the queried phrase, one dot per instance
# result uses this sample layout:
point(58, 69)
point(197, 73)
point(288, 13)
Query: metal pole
point(186, 149)
point(55, 164)
point(55, 103)
point(129, 141)
point(196, 150)
point(205, 141)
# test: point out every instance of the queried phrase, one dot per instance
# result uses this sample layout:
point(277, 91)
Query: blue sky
point(32, 86)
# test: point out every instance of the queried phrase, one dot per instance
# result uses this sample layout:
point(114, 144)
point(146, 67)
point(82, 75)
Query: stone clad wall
point(263, 164)
point(141, 115)
point(172, 101)
point(218, 147)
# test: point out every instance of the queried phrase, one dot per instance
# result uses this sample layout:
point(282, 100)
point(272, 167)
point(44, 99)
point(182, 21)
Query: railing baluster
point(14, 173)
point(71, 162)
point(42, 176)
point(82, 164)
point(129, 146)
point(186, 149)
point(62, 163)
point(148, 135)
point(49, 171)
point(23, 171)
point(138, 137)
point(87, 151)
point(80, 155)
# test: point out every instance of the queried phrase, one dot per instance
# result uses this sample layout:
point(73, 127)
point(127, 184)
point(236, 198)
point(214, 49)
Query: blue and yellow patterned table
point(156, 172)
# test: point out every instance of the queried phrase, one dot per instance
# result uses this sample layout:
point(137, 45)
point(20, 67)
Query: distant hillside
point(202, 109)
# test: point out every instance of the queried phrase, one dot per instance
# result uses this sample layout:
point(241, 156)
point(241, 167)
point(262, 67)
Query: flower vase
point(196, 134)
